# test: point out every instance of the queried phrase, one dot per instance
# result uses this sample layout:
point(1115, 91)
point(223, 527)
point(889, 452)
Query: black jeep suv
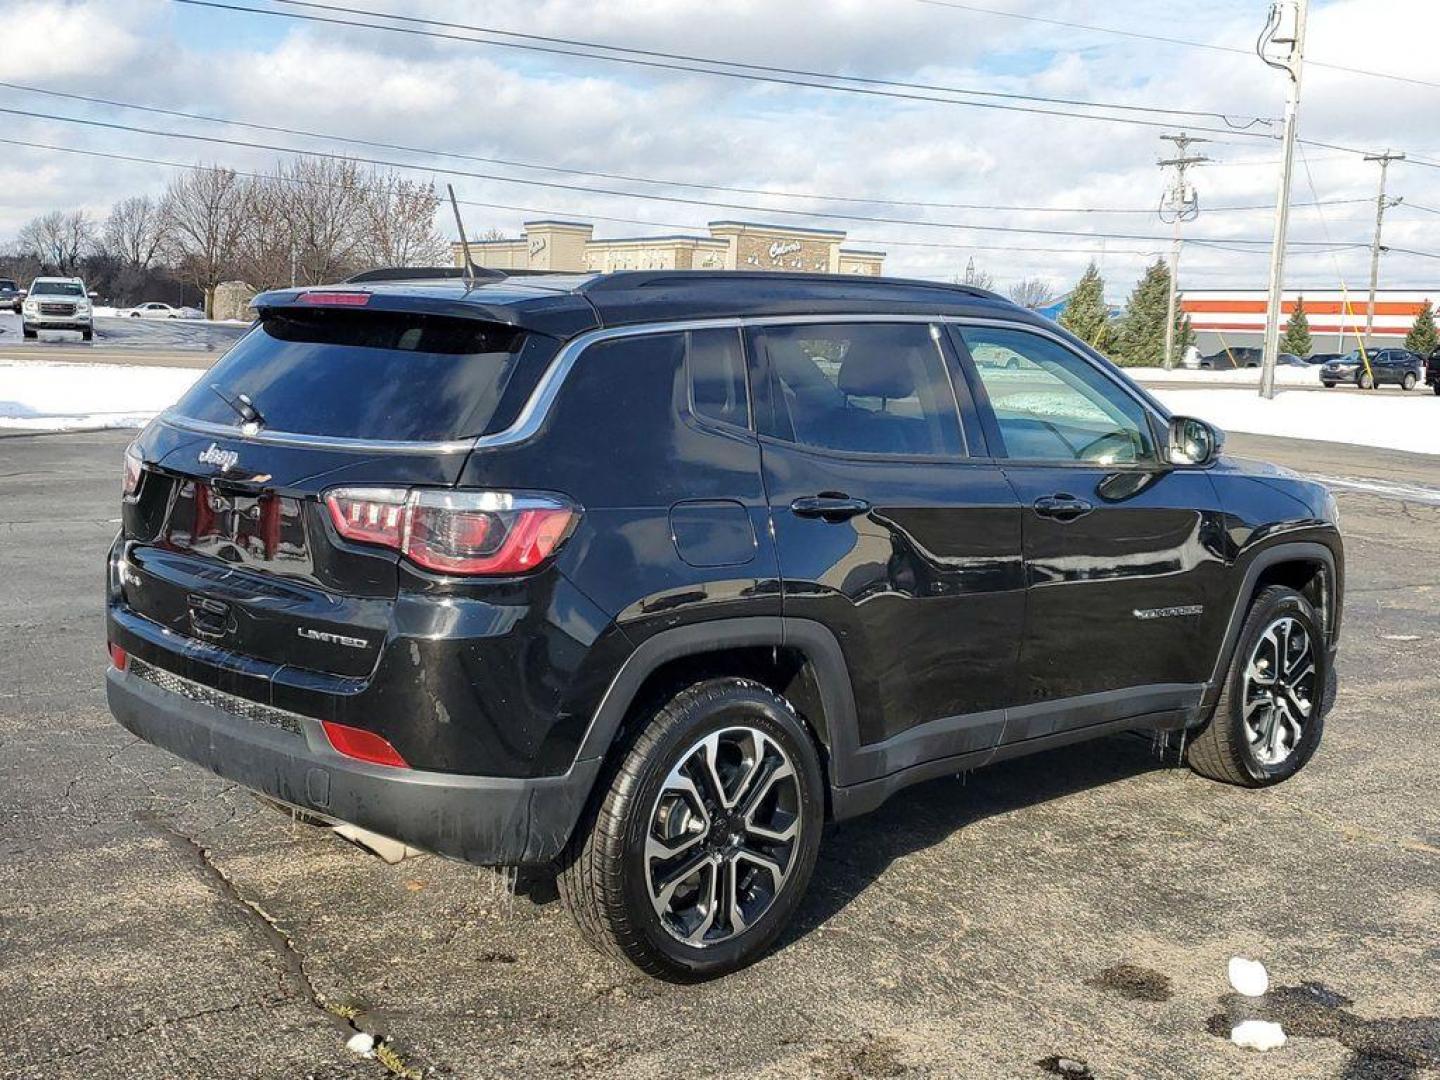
point(643, 576)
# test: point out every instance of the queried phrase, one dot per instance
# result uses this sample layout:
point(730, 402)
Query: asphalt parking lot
point(1081, 905)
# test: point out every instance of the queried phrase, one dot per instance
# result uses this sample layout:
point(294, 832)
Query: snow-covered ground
point(46, 396)
point(1284, 376)
point(1388, 419)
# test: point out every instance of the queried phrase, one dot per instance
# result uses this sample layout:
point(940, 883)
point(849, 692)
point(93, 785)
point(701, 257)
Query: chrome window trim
point(533, 414)
point(170, 418)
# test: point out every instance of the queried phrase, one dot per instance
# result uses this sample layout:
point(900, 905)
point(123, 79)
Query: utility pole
point(1293, 65)
point(1179, 203)
point(1381, 204)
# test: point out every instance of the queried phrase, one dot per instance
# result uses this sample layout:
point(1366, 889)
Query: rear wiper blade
point(243, 406)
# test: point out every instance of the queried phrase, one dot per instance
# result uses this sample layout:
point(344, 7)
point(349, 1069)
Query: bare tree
point(135, 232)
point(1033, 293)
point(978, 278)
point(492, 233)
point(265, 244)
point(202, 210)
point(59, 240)
point(325, 201)
point(399, 223)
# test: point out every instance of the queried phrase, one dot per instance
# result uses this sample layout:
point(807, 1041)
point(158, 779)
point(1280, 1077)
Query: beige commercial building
point(731, 245)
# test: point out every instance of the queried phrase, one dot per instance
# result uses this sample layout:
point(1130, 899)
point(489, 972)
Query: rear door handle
point(828, 507)
point(1062, 507)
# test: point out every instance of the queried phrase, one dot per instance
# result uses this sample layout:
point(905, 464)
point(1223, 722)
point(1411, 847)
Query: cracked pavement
point(156, 921)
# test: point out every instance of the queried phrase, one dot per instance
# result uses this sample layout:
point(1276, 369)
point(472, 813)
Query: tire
point(1225, 748)
point(87, 335)
point(1436, 388)
point(605, 876)
point(1408, 382)
point(1328, 385)
point(26, 330)
point(135, 314)
point(1365, 381)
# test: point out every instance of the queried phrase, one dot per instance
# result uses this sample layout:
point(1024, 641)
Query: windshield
point(56, 288)
point(366, 375)
point(8, 285)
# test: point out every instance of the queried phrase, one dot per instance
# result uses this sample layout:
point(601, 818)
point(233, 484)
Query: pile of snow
point(1284, 376)
point(47, 396)
point(1385, 419)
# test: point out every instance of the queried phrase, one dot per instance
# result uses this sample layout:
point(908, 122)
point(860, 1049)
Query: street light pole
point(1293, 65)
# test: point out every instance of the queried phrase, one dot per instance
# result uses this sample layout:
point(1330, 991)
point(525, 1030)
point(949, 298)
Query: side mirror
point(1194, 442)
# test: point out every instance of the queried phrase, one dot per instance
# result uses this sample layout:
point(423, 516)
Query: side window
point(870, 388)
point(716, 362)
point(1052, 405)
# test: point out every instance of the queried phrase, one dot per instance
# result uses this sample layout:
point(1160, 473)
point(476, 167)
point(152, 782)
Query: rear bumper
point(497, 821)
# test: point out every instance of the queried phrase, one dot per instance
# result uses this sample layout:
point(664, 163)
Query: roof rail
point(649, 279)
point(424, 273)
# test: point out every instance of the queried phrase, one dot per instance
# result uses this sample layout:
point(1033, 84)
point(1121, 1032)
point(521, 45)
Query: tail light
point(363, 745)
point(134, 463)
point(471, 533)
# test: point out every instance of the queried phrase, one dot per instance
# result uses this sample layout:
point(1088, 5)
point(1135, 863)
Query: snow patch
point(1391, 421)
point(44, 396)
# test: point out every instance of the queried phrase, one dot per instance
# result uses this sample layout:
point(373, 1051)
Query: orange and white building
point(1235, 317)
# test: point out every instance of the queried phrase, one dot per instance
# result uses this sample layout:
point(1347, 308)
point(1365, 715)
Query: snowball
point(1257, 1035)
point(364, 1044)
point(1248, 977)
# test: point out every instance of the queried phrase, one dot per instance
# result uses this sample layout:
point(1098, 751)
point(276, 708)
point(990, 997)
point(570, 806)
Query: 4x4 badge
point(213, 455)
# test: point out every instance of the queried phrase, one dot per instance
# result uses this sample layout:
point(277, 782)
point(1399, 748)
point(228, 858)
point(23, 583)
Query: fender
point(835, 731)
point(1262, 560)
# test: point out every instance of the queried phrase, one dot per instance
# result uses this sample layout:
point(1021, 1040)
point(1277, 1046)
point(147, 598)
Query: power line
point(582, 188)
point(1185, 42)
point(626, 177)
point(637, 58)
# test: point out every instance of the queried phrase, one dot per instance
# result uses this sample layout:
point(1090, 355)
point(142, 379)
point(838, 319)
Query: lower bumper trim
point(495, 821)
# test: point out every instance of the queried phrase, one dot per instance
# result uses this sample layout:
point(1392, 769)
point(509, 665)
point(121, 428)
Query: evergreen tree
point(1423, 338)
point(1297, 332)
point(1141, 340)
point(1086, 314)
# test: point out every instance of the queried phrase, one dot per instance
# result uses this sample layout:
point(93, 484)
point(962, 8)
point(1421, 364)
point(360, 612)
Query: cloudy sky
point(788, 146)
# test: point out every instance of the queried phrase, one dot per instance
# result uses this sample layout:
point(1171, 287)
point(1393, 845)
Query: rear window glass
point(367, 375)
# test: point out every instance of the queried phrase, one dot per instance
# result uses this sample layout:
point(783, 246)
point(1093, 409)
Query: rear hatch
point(229, 540)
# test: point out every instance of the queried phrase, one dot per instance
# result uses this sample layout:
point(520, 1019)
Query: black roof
point(567, 304)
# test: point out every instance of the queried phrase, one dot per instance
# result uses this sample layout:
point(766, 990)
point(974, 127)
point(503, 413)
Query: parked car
point(1432, 372)
point(1286, 359)
point(57, 303)
point(1399, 366)
point(1316, 359)
point(1229, 359)
point(156, 310)
point(11, 295)
point(643, 576)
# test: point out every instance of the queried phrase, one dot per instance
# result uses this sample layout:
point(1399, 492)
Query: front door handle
point(1062, 507)
point(829, 507)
